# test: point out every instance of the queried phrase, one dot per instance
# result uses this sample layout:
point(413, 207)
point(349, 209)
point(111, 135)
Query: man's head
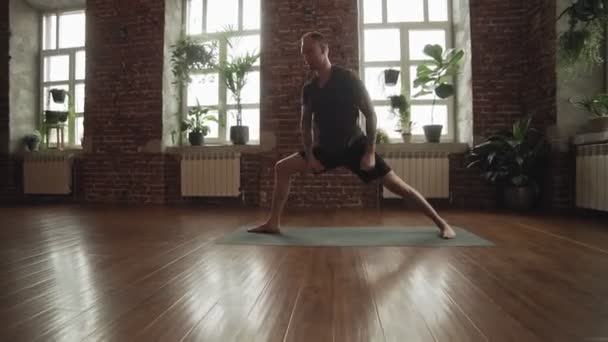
point(314, 50)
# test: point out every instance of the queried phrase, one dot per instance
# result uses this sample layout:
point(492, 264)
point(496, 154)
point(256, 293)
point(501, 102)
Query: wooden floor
point(141, 274)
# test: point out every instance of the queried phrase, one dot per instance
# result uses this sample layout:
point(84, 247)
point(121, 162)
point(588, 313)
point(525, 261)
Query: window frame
point(405, 62)
point(72, 82)
point(223, 107)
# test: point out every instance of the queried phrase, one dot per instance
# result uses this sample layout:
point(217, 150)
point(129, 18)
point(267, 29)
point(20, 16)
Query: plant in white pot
point(597, 106)
point(234, 75)
point(400, 107)
point(434, 77)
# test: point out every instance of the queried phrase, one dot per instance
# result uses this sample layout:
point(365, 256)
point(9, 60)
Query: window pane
point(421, 115)
point(251, 118)
point(251, 14)
point(419, 38)
point(221, 14)
point(372, 11)
point(382, 45)
point(80, 65)
point(374, 82)
point(405, 10)
point(438, 10)
point(57, 68)
point(49, 28)
point(387, 121)
point(243, 44)
point(251, 90)
point(79, 98)
point(71, 30)
point(205, 89)
point(79, 130)
point(195, 16)
point(416, 90)
point(47, 99)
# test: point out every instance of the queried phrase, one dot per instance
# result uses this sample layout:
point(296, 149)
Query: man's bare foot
point(447, 232)
point(266, 228)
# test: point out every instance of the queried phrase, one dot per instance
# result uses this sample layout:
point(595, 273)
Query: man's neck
point(325, 71)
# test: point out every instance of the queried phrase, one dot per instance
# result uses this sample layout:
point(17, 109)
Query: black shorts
point(351, 159)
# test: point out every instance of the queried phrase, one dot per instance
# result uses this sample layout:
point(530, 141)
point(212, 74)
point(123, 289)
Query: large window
point(209, 20)
point(393, 34)
point(63, 67)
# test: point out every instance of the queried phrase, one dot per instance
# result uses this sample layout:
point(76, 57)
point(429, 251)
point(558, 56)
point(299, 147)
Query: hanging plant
point(584, 39)
point(190, 56)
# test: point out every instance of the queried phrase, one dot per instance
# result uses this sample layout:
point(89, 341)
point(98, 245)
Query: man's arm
point(367, 108)
point(306, 128)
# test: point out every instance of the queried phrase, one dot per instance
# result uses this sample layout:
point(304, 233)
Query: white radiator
point(592, 177)
point(47, 173)
point(427, 172)
point(211, 174)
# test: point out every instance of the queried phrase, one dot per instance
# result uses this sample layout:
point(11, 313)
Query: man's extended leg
point(395, 184)
point(283, 170)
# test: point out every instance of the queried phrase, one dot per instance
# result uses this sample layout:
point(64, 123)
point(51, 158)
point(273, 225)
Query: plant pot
point(55, 116)
point(33, 145)
point(432, 133)
point(391, 76)
point(239, 135)
point(58, 95)
point(196, 138)
point(407, 137)
point(597, 124)
point(519, 197)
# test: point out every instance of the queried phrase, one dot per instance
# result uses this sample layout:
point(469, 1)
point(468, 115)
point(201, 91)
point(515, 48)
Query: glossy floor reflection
point(70, 273)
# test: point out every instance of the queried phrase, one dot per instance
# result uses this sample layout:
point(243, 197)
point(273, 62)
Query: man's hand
point(368, 161)
point(314, 164)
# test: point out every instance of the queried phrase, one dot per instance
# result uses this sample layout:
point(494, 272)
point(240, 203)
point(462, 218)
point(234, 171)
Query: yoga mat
point(355, 236)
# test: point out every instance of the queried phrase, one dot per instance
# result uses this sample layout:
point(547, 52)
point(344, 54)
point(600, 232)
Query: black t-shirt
point(335, 108)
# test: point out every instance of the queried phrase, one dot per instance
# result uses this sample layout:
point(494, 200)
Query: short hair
point(318, 37)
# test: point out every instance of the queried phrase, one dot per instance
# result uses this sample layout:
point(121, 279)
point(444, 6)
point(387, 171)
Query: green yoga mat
point(355, 236)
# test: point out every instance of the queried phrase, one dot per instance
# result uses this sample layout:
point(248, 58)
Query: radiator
point(47, 173)
point(211, 174)
point(592, 177)
point(427, 172)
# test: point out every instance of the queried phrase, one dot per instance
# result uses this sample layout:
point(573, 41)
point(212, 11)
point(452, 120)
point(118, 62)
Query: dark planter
point(55, 116)
point(58, 95)
point(32, 145)
point(196, 138)
point(519, 198)
point(432, 133)
point(239, 135)
point(391, 76)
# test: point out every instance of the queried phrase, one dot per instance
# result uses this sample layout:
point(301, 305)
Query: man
point(332, 101)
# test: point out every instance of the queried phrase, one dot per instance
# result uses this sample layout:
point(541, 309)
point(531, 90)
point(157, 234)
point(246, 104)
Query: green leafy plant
point(400, 107)
point(584, 39)
point(32, 140)
point(381, 136)
point(515, 157)
point(596, 105)
point(189, 56)
point(433, 76)
point(234, 74)
point(197, 120)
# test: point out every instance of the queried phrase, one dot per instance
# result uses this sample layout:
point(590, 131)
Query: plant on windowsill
point(381, 136)
point(515, 161)
point(400, 107)
point(32, 141)
point(433, 76)
point(234, 75)
point(585, 37)
point(54, 117)
point(598, 107)
point(196, 122)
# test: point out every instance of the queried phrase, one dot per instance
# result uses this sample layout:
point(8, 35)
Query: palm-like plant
point(234, 73)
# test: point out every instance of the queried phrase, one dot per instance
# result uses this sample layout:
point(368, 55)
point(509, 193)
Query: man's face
point(313, 54)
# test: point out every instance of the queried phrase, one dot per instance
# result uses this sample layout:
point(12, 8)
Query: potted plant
point(381, 136)
point(433, 77)
point(598, 107)
point(196, 122)
point(514, 161)
point(58, 95)
point(32, 140)
point(56, 116)
point(190, 56)
point(584, 39)
point(390, 76)
point(234, 75)
point(400, 107)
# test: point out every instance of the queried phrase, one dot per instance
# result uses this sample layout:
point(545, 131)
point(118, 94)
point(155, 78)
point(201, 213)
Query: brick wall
point(124, 102)
point(4, 80)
